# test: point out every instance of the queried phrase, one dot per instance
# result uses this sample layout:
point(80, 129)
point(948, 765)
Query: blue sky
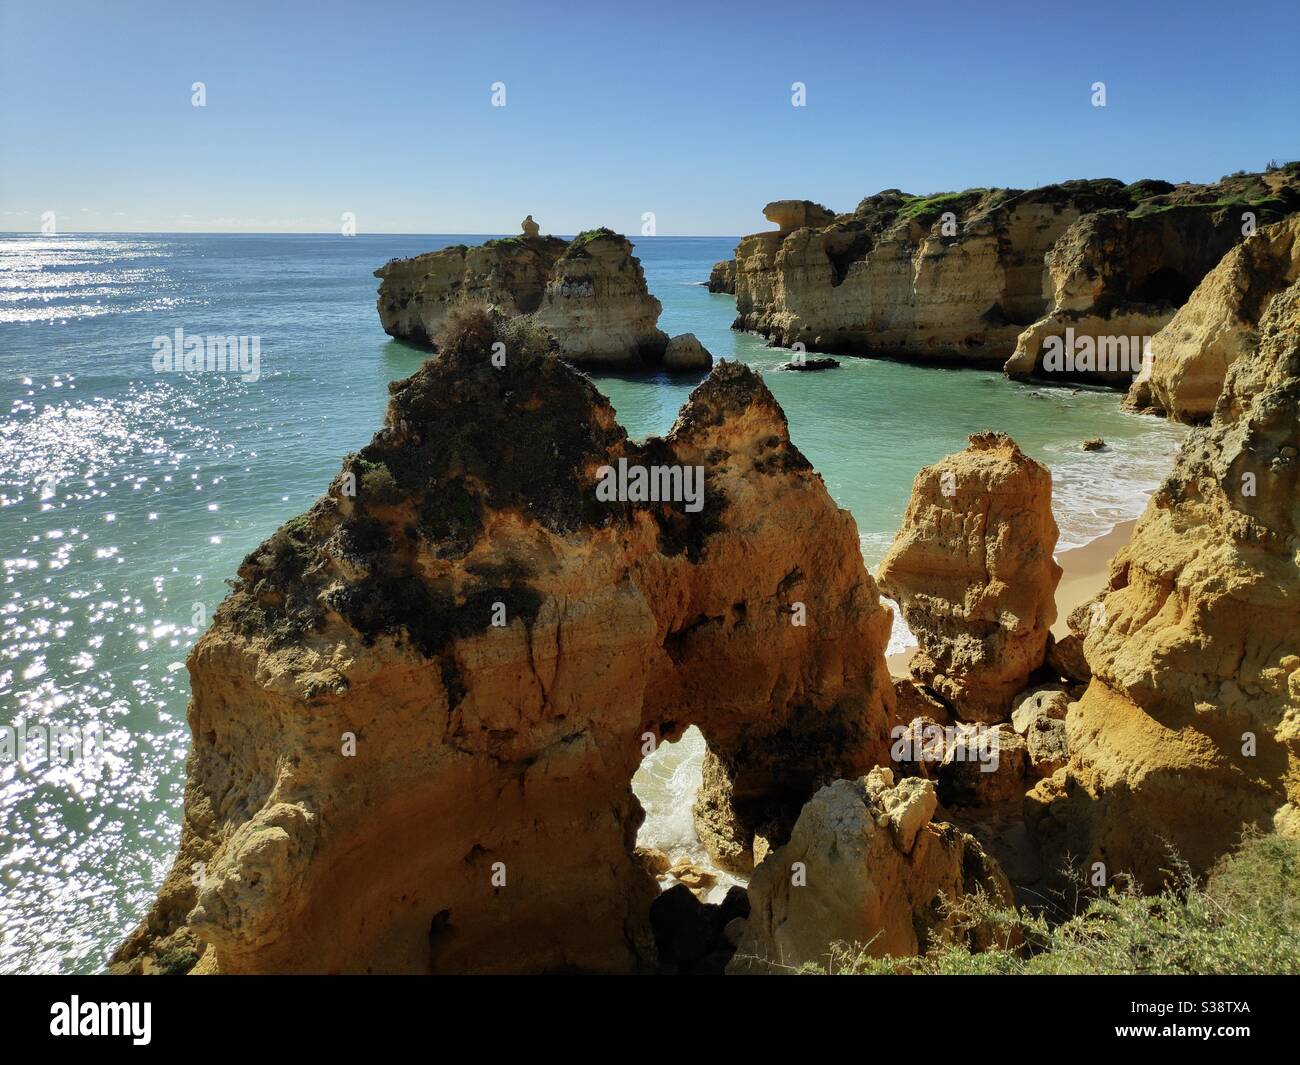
point(612, 109)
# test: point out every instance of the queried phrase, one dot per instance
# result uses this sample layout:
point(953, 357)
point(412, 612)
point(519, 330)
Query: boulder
point(804, 364)
point(984, 767)
point(972, 571)
point(864, 865)
point(789, 215)
point(685, 352)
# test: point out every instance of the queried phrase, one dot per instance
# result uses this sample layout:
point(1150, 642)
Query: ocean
point(129, 496)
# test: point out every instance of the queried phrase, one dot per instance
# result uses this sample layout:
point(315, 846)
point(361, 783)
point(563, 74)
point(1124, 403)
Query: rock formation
point(589, 293)
point(685, 352)
point(961, 276)
point(722, 278)
point(972, 570)
point(416, 717)
point(1189, 730)
point(1117, 276)
point(1220, 323)
point(865, 865)
point(789, 215)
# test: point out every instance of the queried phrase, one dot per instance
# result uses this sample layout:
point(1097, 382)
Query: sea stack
point(589, 293)
point(417, 714)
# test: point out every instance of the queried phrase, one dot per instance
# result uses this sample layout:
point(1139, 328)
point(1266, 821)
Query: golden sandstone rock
point(865, 865)
point(589, 293)
point(1189, 731)
point(1219, 324)
point(416, 717)
point(972, 570)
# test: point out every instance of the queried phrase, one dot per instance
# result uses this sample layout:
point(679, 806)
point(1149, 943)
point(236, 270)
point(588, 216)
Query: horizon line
point(333, 233)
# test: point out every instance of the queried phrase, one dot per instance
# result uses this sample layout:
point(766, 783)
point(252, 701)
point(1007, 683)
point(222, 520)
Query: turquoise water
point(127, 497)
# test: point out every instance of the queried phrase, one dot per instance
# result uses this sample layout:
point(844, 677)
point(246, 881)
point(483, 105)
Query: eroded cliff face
point(1119, 275)
point(589, 293)
point(901, 277)
point(1189, 730)
point(972, 571)
point(417, 715)
point(1217, 325)
point(981, 275)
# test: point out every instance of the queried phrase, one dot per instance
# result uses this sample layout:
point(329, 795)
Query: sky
point(614, 110)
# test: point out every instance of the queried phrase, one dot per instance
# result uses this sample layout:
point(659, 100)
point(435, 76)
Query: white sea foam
point(666, 784)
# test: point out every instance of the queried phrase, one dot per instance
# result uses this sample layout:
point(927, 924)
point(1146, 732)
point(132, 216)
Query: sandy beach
point(1083, 574)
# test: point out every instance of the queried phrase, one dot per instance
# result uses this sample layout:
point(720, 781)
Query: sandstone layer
point(1189, 731)
point(589, 293)
point(866, 865)
point(1217, 325)
point(972, 571)
point(416, 717)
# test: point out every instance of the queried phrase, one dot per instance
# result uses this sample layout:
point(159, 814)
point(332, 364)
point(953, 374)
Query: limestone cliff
point(722, 278)
point(589, 293)
point(1218, 324)
point(980, 275)
point(416, 717)
point(955, 276)
point(1116, 277)
point(972, 570)
point(1189, 730)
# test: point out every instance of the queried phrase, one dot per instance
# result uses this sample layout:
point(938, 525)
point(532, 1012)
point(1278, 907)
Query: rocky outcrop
point(865, 865)
point(948, 277)
point(686, 353)
point(961, 276)
point(597, 307)
point(1217, 325)
point(972, 571)
point(589, 293)
point(789, 215)
point(1117, 276)
point(416, 717)
point(722, 278)
point(1189, 730)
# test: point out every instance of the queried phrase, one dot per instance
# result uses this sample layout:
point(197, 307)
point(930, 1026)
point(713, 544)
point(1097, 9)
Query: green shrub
point(1244, 920)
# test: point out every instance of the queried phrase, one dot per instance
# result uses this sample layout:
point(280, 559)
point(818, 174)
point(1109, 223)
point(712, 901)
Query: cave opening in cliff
point(667, 784)
point(1166, 286)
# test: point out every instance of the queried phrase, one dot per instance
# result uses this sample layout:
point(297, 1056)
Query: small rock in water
point(1095, 444)
point(810, 364)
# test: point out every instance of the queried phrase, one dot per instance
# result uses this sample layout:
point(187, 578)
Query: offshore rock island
point(588, 293)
